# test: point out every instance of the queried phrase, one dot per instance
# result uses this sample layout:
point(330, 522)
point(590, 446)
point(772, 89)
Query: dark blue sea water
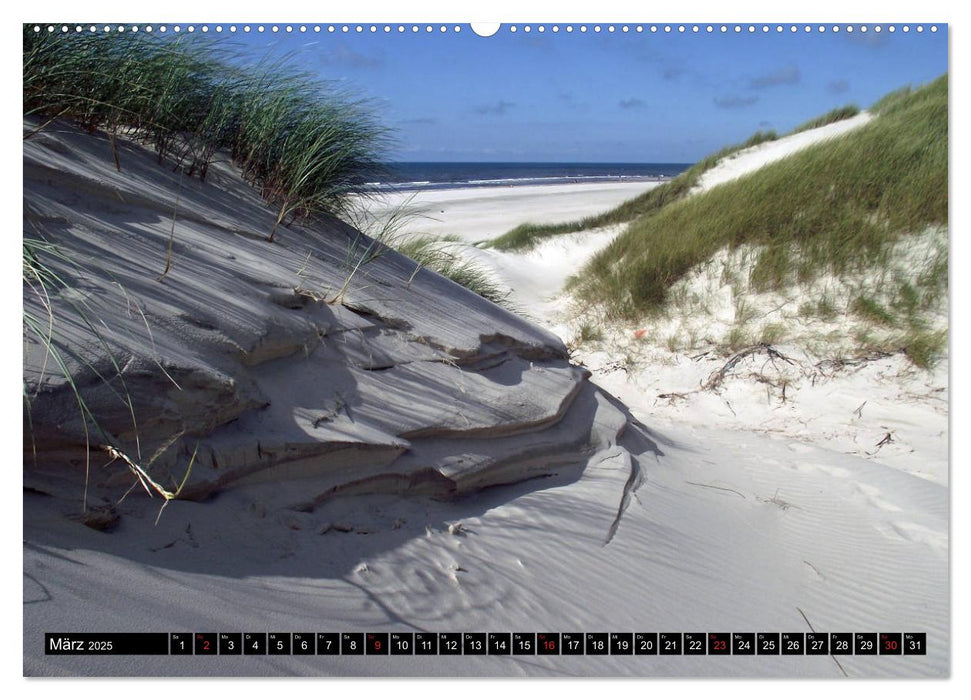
point(422, 176)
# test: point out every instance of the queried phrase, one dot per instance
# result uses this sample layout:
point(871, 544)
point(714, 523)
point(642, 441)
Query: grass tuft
point(45, 277)
point(892, 100)
point(834, 115)
point(871, 310)
point(303, 143)
point(587, 333)
point(924, 349)
point(438, 255)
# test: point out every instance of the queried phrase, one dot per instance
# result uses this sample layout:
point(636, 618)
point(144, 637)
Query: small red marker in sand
point(639, 333)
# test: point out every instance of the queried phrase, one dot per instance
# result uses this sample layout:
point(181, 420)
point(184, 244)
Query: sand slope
point(313, 357)
point(725, 532)
point(751, 159)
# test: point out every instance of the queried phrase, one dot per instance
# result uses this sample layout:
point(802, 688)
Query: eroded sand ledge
point(263, 360)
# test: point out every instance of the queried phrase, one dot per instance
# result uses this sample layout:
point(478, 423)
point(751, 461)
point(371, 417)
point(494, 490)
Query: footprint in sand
point(874, 499)
point(799, 448)
point(425, 581)
point(828, 469)
point(913, 532)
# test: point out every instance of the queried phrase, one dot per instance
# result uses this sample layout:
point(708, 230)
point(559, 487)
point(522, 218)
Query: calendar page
point(442, 349)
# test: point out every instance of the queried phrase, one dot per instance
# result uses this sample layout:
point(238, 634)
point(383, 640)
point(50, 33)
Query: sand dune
point(751, 159)
point(342, 443)
point(238, 346)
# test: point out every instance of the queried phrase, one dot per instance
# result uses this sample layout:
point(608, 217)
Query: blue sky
point(634, 97)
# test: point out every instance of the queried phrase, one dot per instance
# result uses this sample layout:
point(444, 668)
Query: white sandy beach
point(735, 510)
point(480, 213)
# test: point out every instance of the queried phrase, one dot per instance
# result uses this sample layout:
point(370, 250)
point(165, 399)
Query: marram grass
point(834, 115)
point(304, 144)
point(438, 255)
point(527, 235)
point(833, 207)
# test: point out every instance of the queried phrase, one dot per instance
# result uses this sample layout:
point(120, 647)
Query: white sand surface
point(535, 277)
point(481, 213)
point(726, 531)
point(883, 410)
point(753, 158)
point(676, 516)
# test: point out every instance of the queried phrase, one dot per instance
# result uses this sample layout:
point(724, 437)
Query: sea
point(402, 176)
